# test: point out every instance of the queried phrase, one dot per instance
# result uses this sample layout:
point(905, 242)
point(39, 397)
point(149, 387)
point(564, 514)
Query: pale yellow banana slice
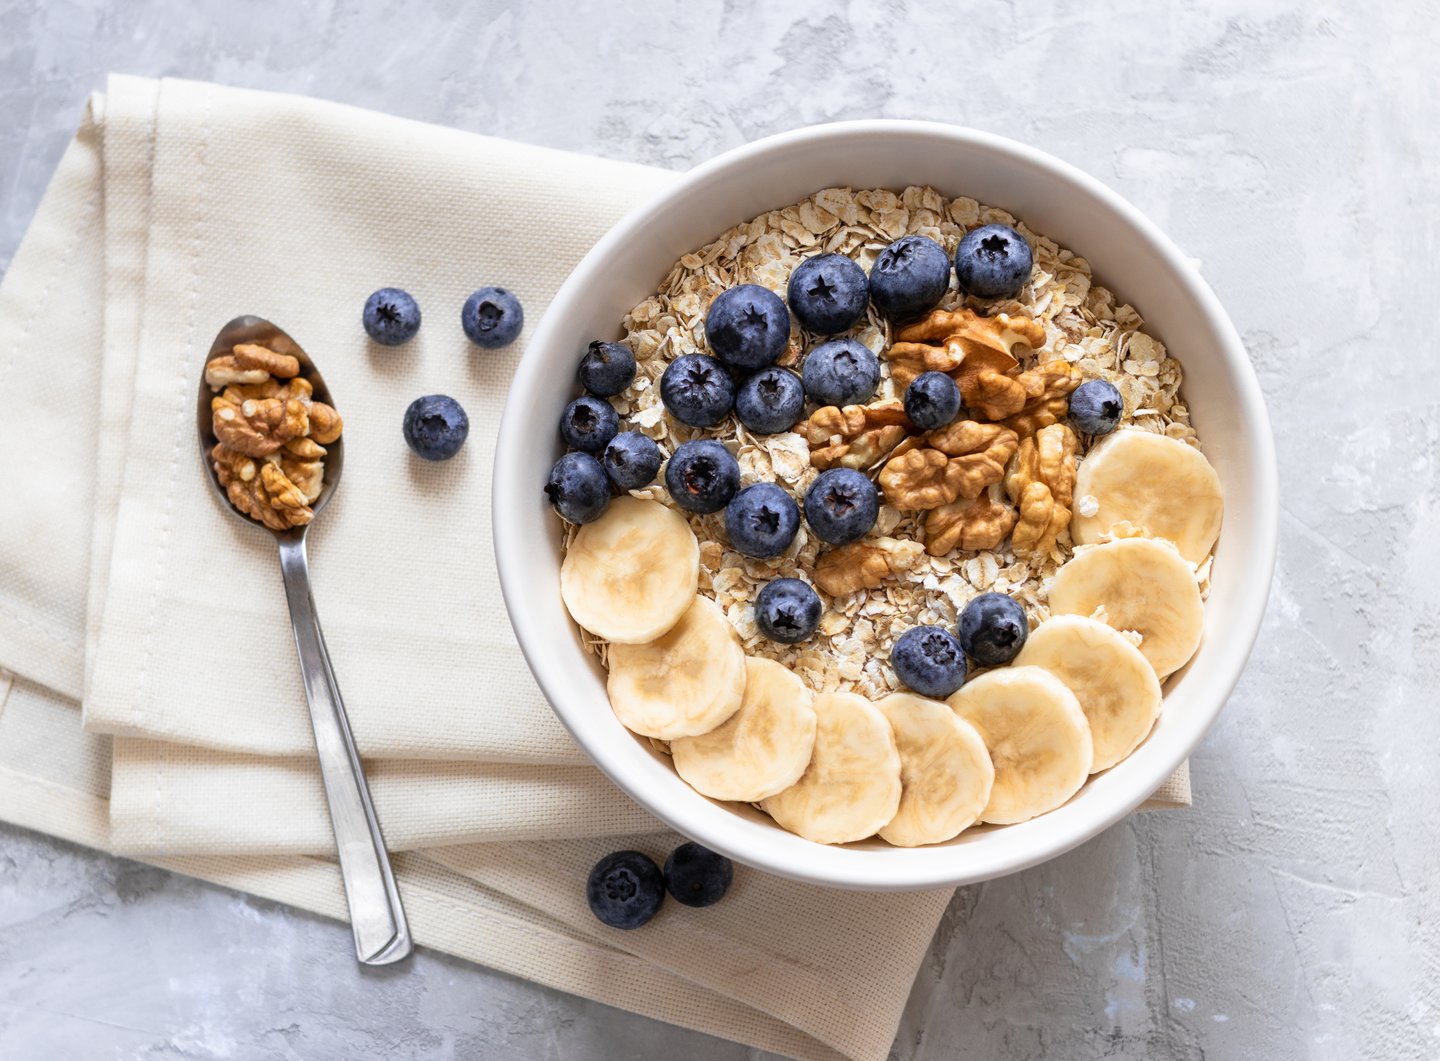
point(1115, 684)
point(1160, 486)
point(762, 749)
point(851, 788)
point(1142, 585)
point(630, 575)
point(686, 682)
point(1038, 739)
point(945, 771)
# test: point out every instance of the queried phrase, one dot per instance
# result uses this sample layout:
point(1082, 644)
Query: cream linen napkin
point(208, 201)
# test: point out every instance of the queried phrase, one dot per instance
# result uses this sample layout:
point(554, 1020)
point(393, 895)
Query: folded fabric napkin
point(127, 594)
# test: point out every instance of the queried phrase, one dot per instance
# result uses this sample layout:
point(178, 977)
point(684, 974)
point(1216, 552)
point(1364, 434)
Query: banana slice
point(851, 788)
point(945, 771)
point(1116, 686)
point(1157, 484)
point(1143, 585)
point(762, 749)
point(1038, 739)
point(686, 682)
point(630, 575)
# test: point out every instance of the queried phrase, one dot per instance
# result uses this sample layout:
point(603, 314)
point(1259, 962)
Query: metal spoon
point(382, 934)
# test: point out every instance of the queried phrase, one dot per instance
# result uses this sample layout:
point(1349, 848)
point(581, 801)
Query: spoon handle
point(382, 934)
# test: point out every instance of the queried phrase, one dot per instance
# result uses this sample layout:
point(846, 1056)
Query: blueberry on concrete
point(909, 277)
point(625, 889)
point(747, 327)
point(761, 520)
point(841, 505)
point(697, 876)
point(828, 293)
point(993, 261)
point(772, 400)
point(607, 368)
point(841, 372)
point(589, 424)
point(697, 390)
point(787, 610)
point(932, 400)
point(1096, 407)
point(702, 476)
point(435, 427)
point(993, 629)
point(391, 316)
point(632, 460)
point(492, 317)
point(929, 660)
point(578, 488)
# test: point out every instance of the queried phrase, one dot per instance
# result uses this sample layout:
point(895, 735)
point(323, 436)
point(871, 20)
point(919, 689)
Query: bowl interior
point(1127, 254)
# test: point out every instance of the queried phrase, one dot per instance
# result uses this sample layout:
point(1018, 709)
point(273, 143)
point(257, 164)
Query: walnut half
point(958, 461)
point(857, 436)
point(1041, 480)
point(979, 523)
point(864, 564)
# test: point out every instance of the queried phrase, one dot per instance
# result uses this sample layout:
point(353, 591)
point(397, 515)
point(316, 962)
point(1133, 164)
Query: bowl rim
point(872, 873)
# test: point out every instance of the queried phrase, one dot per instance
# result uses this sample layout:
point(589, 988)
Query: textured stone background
point(1291, 146)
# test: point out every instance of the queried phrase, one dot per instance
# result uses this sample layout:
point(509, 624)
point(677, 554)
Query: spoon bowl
point(257, 330)
point(377, 917)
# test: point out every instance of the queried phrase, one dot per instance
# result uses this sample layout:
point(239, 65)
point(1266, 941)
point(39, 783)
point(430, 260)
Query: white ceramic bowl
point(1128, 254)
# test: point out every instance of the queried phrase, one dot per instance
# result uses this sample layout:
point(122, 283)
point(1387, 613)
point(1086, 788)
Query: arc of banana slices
point(851, 789)
point(1142, 584)
point(685, 682)
point(630, 575)
point(1115, 684)
point(945, 771)
point(1037, 736)
point(1159, 484)
point(762, 749)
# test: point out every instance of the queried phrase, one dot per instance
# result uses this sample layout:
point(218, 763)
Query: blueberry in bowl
point(929, 660)
point(993, 261)
point(747, 327)
point(909, 277)
point(993, 629)
point(932, 400)
point(841, 505)
point(606, 369)
point(578, 488)
point(787, 610)
point(702, 476)
point(841, 372)
point(588, 424)
point(828, 293)
point(697, 390)
point(632, 460)
point(770, 401)
point(1096, 407)
point(762, 520)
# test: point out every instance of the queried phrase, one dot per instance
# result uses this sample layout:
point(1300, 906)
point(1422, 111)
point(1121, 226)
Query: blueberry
point(747, 327)
point(492, 317)
point(697, 390)
point(632, 460)
point(702, 476)
point(992, 261)
point(841, 505)
point(607, 368)
point(909, 277)
point(1096, 407)
point(828, 293)
point(625, 889)
point(841, 372)
point(589, 424)
point(697, 876)
point(762, 520)
point(993, 629)
point(929, 660)
point(787, 610)
point(771, 400)
point(435, 427)
point(391, 316)
point(578, 488)
point(932, 400)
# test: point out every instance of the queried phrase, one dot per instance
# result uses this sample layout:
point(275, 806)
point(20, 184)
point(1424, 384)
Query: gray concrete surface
point(1291, 146)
